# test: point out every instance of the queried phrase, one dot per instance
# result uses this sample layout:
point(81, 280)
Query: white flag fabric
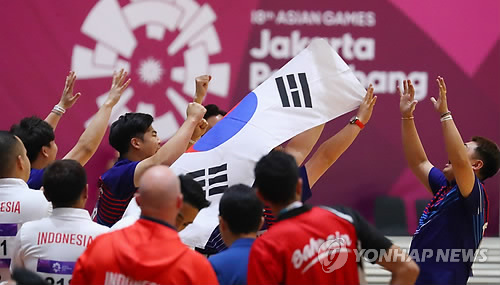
point(314, 87)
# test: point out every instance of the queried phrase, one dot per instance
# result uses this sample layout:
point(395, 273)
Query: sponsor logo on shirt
point(319, 249)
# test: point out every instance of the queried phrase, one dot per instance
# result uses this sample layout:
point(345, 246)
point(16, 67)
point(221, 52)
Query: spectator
point(291, 252)
point(39, 139)
point(213, 115)
point(134, 137)
point(240, 217)
point(150, 250)
point(18, 203)
point(51, 246)
point(457, 215)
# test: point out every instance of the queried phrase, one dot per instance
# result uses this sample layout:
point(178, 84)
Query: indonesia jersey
point(51, 246)
point(116, 188)
point(312, 246)
point(450, 222)
point(18, 204)
point(36, 178)
point(148, 252)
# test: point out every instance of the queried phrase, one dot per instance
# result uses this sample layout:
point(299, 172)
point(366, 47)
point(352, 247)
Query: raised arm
point(92, 136)
point(334, 147)
point(301, 145)
point(176, 145)
point(412, 146)
point(201, 92)
point(66, 102)
point(457, 151)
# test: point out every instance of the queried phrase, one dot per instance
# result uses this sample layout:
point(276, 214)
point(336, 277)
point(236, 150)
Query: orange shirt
point(149, 251)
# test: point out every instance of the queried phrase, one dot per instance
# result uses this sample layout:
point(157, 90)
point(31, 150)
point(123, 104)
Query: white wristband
point(446, 118)
point(59, 109)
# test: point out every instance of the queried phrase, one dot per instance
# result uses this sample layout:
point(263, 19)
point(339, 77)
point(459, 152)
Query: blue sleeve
point(127, 186)
point(36, 178)
point(120, 179)
point(473, 203)
point(306, 190)
point(437, 179)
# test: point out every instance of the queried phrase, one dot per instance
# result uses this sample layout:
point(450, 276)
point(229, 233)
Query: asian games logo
point(163, 45)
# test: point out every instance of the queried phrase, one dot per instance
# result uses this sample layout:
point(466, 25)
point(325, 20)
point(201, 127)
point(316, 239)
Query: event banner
point(165, 44)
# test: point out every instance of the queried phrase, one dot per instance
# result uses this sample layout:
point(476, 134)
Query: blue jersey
point(116, 188)
point(450, 223)
point(231, 265)
point(215, 243)
point(36, 178)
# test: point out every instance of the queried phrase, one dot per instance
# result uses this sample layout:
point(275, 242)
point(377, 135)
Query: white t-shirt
point(52, 245)
point(18, 204)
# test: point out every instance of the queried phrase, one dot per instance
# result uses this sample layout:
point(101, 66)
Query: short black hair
point(34, 133)
point(241, 209)
point(276, 177)
point(192, 192)
point(128, 126)
point(488, 152)
point(9, 150)
point(213, 110)
point(63, 182)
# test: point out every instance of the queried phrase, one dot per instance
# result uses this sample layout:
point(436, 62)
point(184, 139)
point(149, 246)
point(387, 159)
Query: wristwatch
point(355, 120)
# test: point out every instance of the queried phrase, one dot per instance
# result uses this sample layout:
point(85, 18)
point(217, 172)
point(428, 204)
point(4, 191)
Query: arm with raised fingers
point(66, 102)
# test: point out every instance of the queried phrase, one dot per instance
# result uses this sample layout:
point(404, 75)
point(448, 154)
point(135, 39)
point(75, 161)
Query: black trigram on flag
point(294, 90)
point(213, 179)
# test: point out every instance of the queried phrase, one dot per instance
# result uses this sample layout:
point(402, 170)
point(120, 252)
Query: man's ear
point(261, 222)
point(137, 199)
point(86, 192)
point(135, 143)
point(298, 189)
point(20, 162)
point(222, 224)
point(477, 165)
point(259, 195)
point(44, 151)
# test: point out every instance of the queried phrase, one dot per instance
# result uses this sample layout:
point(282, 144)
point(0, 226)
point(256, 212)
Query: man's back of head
point(65, 184)
point(241, 211)
point(35, 133)
point(14, 162)
point(127, 127)
point(159, 194)
point(276, 177)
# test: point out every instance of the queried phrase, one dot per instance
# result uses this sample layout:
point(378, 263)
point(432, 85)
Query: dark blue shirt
point(450, 223)
point(116, 188)
point(231, 265)
point(36, 178)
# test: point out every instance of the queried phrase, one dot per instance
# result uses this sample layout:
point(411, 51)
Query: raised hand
point(441, 104)
point(201, 87)
point(117, 87)
point(407, 100)
point(366, 108)
point(195, 111)
point(67, 98)
point(200, 130)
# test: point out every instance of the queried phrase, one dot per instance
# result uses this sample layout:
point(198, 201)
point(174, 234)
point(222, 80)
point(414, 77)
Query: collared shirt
point(52, 245)
point(231, 265)
point(18, 204)
point(116, 190)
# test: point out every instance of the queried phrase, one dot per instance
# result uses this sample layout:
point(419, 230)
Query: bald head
point(12, 153)
point(159, 194)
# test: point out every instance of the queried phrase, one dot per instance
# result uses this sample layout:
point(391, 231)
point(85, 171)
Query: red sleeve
point(264, 264)
point(78, 277)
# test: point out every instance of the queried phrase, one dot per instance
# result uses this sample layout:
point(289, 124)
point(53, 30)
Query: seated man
point(193, 200)
point(18, 203)
point(298, 249)
point(52, 245)
point(39, 139)
point(149, 251)
point(134, 137)
point(457, 215)
point(240, 217)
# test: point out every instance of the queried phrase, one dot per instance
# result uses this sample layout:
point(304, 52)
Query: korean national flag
point(314, 87)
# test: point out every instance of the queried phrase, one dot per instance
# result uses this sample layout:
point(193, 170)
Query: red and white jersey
point(52, 245)
point(312, 246)
point(18, 204)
